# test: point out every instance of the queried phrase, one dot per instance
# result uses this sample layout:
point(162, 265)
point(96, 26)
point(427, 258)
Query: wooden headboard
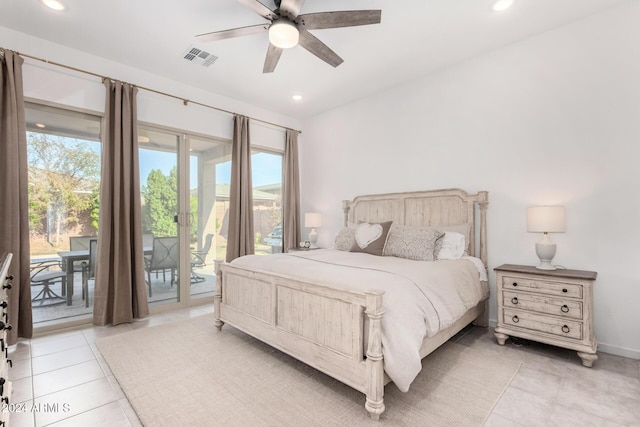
point(425, 208)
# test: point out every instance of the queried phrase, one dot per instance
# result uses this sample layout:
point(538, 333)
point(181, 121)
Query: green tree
point(63, 175)
point(161, 204)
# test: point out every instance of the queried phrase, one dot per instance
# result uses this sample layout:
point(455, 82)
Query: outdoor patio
point(162, 292)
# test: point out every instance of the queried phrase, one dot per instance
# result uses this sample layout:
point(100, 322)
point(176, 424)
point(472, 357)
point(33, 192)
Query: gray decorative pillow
point(371, 237)
point(416, 243)
point(345, 239)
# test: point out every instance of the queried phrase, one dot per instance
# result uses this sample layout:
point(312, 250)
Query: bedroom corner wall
point(553, 119)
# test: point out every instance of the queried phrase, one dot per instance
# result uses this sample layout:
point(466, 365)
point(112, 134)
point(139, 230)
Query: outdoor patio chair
point(164, 257)
point(46, 273)
point(79, 243)
point(89, 270)
point(198, 259)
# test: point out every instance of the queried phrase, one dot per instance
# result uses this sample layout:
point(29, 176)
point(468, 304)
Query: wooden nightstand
point(550, 306)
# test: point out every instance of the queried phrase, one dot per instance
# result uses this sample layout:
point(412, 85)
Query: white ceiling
point(415, 37)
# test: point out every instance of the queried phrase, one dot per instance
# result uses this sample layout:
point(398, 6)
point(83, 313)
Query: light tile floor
point(61, 379)
point(64, 377)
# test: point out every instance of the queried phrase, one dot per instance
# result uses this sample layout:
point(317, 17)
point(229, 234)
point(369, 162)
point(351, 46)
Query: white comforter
point(420, 297)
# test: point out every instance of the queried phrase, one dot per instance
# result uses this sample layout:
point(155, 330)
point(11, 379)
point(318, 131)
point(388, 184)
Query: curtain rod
point(185, 101)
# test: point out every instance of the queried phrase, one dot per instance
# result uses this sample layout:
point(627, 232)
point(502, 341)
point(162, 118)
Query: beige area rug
point(189, 374)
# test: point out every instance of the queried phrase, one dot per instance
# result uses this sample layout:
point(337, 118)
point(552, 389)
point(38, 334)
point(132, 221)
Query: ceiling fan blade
point(319, 49)
point(259, 8)
point(236, 32)
point(273, 56)
point(347, 18)
point(291, 8)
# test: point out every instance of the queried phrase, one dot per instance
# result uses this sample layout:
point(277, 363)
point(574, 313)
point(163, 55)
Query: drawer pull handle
point(515, 283)
point(514, 300)
point(565, 329)
point(564, 308)
point(515, 319)
point(565, 290)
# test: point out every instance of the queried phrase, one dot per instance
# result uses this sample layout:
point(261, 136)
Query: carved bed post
point(483, 202)
point(217, 296)
point(375, 365)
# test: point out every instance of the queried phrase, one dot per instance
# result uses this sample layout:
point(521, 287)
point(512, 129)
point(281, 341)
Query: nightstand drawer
point(541, 286)
point(543, 304)
point(541, 323)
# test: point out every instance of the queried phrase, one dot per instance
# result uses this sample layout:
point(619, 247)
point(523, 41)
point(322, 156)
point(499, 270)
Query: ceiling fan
point(287, 28)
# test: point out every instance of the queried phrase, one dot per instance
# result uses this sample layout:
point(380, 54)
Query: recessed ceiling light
point(54, 4)
point(40, 125)
point(501, 5)
point(297, 97)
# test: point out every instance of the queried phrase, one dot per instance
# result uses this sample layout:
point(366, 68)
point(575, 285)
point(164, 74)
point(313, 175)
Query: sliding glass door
point(184, 182)
point(184, 188)
point(209, 177)
point(63, 155)
point(160, 201)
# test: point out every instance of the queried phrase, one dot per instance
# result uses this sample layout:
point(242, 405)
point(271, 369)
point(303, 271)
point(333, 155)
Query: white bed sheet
point(420, 299)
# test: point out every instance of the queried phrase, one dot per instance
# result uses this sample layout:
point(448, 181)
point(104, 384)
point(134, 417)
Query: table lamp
point(546, 219)
point(313, 220)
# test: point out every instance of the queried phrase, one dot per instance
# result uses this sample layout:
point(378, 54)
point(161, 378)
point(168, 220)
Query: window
point(266, 172)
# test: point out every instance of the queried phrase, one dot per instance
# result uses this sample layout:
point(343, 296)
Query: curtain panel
point(291, 192)
point(14, 215)
point(120, 289)
point(241, 237)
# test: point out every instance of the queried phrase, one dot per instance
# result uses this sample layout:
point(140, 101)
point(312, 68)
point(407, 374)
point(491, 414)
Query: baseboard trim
point(619, 351)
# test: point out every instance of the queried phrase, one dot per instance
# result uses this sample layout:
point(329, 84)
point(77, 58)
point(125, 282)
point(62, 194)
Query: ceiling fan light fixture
point(501, 5)
point(54, 4)
point(283, 34)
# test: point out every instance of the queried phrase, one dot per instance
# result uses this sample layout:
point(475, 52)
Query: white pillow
point(464, 229)
point(453, 246)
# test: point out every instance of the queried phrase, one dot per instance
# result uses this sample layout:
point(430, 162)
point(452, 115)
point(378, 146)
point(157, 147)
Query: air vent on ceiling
point(199, 56)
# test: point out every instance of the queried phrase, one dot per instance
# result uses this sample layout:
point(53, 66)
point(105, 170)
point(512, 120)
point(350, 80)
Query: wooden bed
point(339, 332)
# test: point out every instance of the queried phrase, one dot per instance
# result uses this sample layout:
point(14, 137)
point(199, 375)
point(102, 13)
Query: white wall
point(554, 119)
point(51, 83)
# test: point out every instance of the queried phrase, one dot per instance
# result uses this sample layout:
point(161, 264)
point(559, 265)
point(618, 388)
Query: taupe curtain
point(240, 238)
point(14, 211)
point(291, 192)
point(120, 290)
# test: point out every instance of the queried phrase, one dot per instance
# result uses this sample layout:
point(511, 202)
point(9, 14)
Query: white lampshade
point(546, 219)
point(283, 34)
point(312, 220)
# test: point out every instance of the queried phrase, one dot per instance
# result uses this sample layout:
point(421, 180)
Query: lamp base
point(546, 266)
point(313, 238)
point(546, 252)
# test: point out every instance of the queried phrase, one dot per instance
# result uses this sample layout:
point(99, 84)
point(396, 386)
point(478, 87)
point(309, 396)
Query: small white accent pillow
point(464, 229)
point(453, 246)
